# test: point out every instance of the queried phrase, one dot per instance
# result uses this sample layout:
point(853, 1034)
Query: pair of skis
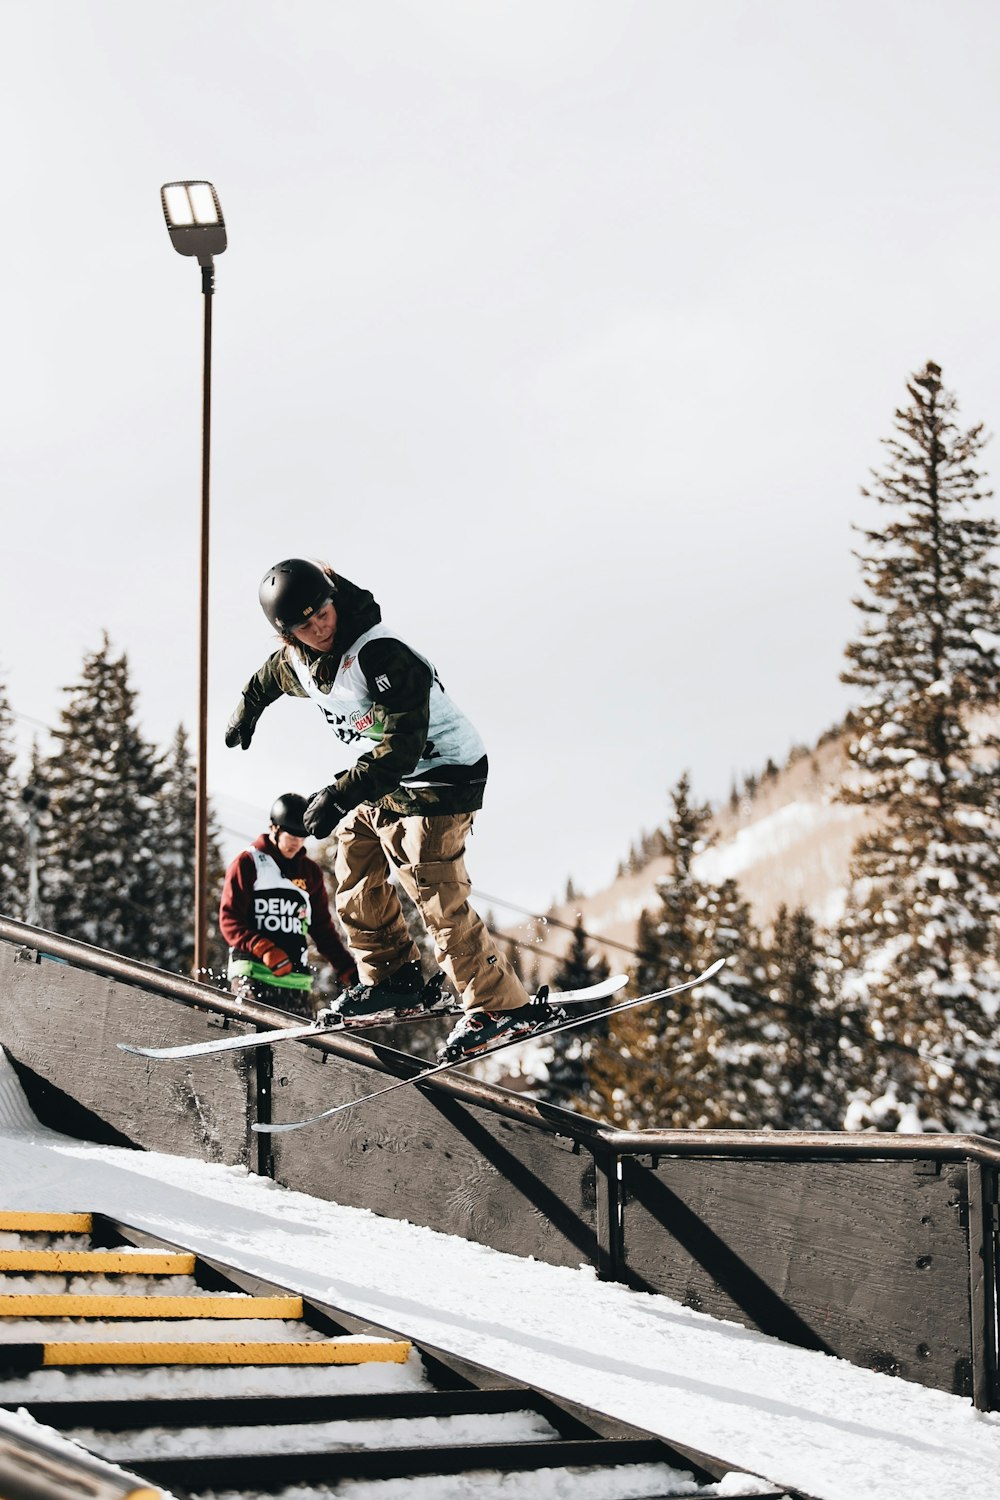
point(301, 1030)
point(569, 997)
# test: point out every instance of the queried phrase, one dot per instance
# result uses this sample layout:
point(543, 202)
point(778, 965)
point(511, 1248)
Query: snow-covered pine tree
point(818, 1039)
point(567, 1082)
point(693, 1060)
point(101, 876)
point(172, 836)
point(37, 823)
point(13, 854)
point(746, 1042)
point(919, 936)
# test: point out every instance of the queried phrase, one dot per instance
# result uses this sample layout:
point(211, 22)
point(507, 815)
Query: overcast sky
point(569, 328)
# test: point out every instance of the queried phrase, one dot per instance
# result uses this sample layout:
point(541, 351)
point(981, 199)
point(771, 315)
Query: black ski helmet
point(292, 591)
point(286, 814)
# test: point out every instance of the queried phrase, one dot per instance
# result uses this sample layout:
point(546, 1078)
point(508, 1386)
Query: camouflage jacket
point(374, 690)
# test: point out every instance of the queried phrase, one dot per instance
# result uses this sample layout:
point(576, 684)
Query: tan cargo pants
point(428, 855)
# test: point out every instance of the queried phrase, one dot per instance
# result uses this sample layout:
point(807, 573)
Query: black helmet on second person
point(286, 815)
point(292, 591)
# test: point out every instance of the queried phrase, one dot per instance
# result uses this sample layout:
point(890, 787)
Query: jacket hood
point(357, 611)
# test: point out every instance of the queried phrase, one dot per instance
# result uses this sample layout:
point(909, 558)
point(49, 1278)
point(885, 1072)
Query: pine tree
point(920, 933)
point(567, 1083)
point(100, 861)
point(741, 1035)
point(816, 1034)
point(13, 850)
point(173, 836)
point(37, 822)
point(686, 1061)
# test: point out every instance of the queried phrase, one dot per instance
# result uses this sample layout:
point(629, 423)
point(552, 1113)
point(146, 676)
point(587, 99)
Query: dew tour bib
point(282, 912)
point(354, 716)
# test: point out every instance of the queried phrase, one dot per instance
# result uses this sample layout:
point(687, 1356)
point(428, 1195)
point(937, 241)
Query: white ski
point(446, 1067)
point(599, 991)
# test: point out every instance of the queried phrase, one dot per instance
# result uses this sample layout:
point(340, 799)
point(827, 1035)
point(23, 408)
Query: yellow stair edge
point(117, 1305)
point(144, 1262)
point(329, 1352)
point(32, 1223)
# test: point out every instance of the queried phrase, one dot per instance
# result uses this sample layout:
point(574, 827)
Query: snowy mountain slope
point(791, 843)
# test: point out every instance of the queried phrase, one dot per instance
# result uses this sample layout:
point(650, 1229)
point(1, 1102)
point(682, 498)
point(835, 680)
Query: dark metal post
point(610, 1247)
point(983, 1225)
point(201, 765)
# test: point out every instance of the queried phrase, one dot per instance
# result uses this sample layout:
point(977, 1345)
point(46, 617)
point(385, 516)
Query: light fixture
point(194, 219)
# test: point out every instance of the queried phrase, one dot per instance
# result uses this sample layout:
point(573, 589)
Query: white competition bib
point(354, 716)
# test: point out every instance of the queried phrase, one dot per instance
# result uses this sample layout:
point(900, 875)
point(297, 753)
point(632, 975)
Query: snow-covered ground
point(798, 1418)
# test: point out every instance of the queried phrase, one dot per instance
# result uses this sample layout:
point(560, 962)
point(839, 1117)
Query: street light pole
point(196, 227)
point(201, 755)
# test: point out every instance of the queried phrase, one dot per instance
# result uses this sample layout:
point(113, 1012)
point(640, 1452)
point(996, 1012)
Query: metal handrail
point(549, 1117)
point(33, 1466)
point(190, 992)
point(802, 1143)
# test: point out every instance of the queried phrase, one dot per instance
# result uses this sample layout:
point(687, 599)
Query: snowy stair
point(106, 1343)
point(149, 1328)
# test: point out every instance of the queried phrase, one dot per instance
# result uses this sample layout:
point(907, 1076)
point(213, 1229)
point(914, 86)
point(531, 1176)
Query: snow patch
point(767, 838)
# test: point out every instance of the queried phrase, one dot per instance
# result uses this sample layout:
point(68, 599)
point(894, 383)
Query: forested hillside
point(855, 894)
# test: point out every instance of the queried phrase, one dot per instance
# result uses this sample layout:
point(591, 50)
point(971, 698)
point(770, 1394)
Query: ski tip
point(127, 1047)
point(720, 963)
point(617, 982)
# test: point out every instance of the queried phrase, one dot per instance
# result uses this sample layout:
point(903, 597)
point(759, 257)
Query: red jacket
point(239, 924)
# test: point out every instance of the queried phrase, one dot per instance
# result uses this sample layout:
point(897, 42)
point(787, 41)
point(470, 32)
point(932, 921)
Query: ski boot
point(478, 1030)
point(402, 997)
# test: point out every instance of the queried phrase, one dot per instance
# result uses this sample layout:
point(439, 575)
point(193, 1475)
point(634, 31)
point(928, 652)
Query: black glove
point(239, 730)
point(323, 813)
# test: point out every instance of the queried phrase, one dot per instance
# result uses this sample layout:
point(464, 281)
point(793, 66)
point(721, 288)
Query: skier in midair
point(405, 809)
point(274, 903)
